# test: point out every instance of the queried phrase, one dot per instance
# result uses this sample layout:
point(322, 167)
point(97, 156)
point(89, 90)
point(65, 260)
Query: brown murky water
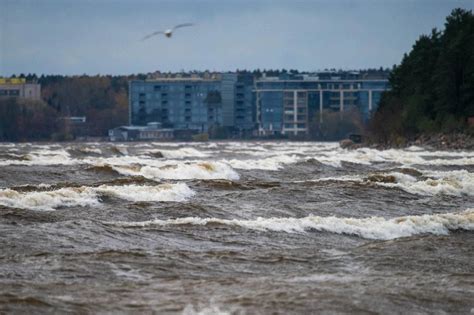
point(235, 228)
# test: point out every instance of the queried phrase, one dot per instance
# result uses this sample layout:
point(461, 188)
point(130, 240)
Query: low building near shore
point(152, 131)
point(19, 88)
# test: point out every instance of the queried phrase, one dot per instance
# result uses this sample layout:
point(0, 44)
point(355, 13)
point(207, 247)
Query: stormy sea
point(235, 228)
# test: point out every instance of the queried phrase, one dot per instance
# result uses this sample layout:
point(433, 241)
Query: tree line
point(432, 90)
point(103, 100)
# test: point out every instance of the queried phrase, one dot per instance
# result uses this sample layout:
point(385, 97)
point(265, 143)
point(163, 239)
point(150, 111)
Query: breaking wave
point(41, 157)
point(119, 150)
point(183, 153)
point(428, 183)
point(165, 192)
point(265, 157)
point(370, 228)
point(408, 157)
point(454, 183)
point(181, 170)
point(49, 200)
point(90, 196)
point(273, 163)
point(84, 150)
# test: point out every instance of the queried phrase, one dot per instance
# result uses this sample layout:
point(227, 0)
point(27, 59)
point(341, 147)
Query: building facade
point(152, 131)
point(286, 106)
point(176, 103)
point(244, 103)
point(237, 102)
point(193, 103)
point(18, 87)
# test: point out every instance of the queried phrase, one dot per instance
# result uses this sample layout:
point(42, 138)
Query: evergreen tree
point(433, 87)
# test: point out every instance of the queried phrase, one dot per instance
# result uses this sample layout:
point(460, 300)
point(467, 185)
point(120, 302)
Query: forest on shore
point(102, 99)
point(432, 90)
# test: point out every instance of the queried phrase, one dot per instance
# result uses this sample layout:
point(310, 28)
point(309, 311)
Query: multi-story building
point(283, 105)
point(244, 106)
point(287, 105)
point(18, 87)
point(193, 103)
point(188, 103)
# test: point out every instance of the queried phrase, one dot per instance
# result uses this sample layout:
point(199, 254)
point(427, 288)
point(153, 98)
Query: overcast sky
point(103, 36)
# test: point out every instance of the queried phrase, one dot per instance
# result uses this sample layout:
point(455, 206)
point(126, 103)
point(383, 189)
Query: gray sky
point(103, 36)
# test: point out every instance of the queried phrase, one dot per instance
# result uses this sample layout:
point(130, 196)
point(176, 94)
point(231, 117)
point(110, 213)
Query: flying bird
point(169, 32)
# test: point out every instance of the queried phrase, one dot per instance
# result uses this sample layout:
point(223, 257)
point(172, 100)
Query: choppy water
point(235, 228)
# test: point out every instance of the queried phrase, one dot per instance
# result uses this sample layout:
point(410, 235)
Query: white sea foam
point(333, 156)
point(182, 170)
point(42, 157)
point(345, 178)
point(49, 200)
point(7, 145)
point(182, 153)
point(87, 150)
point(271, 163)
point(336, 157)
point(122, 149)
point(455, 183)
point(90, 196)
point(370, 228)
point(259, 155)
point(165, 192)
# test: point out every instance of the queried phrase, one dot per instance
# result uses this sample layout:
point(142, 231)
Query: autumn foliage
point(103, 100)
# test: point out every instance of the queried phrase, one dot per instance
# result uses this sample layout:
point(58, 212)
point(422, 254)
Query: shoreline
point(441, 141)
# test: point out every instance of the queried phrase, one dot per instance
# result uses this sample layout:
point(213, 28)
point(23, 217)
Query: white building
point(18, 87)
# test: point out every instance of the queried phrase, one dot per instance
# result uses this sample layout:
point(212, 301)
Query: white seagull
point(169, 32)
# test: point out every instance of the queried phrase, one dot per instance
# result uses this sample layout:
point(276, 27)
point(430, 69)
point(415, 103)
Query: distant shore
point(453, 141)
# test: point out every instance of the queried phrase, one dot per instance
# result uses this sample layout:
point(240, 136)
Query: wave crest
point(182, 170)
point(371, 228)
point(90, 196)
